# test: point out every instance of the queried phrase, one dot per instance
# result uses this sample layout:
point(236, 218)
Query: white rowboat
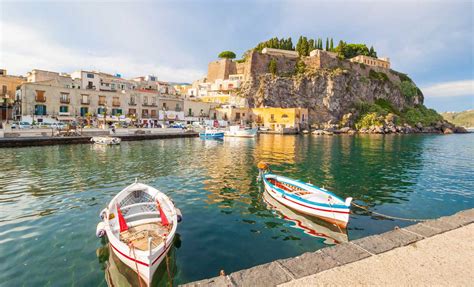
point(306, 198)
point(140, 223)
point(106, 140)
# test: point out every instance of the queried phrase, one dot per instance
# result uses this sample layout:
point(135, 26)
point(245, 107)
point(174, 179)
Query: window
point(164, 106)
point(63, 109)
point(145, 100)
point(178, 107)
point(145, 113)
point(153, 113)
point(85, 99)
point(101, 111)
point(40, 110)
point(116, 112)
point(190, 112)
point(153, 100)
point(237, 116)
point(132, 111)
point(64, 98)
point(102, 100)
point(284, 116)
point(84, 111)
point(40, 96)
point(4, 90)
point(90, 76)
point(272, 117)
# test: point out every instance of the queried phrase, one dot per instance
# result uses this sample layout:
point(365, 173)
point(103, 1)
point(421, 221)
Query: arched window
point(284, 116)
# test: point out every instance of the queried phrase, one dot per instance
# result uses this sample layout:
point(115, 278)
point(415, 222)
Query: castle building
point(371, 61)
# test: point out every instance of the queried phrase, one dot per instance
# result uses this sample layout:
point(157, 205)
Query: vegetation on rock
point(272, 66)
point(465, 118)
point(227, 55)
point(347, 51)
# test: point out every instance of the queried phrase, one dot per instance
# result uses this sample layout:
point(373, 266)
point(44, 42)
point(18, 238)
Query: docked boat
point(211, 133)
point(311, 226)
point(238, 131)
point(306, 198)
point(140, 223)
point(106, 140)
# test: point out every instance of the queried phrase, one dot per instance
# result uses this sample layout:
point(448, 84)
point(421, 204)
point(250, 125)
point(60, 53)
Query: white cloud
point(450, 89)
point(24, 48)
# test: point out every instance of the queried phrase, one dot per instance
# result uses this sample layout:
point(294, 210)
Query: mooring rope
point(388, 216)
point(136, 264)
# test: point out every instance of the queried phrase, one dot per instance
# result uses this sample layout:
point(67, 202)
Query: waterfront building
point(371, 61)
point(8, 86)
point(198, 111)
point(48, 96)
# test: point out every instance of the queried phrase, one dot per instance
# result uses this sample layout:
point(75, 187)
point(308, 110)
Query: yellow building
point(370, 61)
point(284, 120)
point(218, 99)
point(281, 120)
point(8, 85)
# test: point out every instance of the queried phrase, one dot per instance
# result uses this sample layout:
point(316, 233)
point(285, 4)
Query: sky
point(431, 41)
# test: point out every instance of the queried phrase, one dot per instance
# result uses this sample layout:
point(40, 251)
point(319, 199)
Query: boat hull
point(106, 140)
point(217, 135)
point(242, 133)
point(337, 216)
point(143, 261)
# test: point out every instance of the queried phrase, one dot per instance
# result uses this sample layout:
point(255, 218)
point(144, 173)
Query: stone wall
point(221, 69)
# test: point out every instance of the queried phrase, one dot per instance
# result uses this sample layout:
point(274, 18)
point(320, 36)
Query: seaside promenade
point(435, 252)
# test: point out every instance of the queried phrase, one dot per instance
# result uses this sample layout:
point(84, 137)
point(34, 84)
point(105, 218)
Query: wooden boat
point(237, 131)
point(106, 140)
point(140, 223)
point(211, 133)
point(306, 198)
point(311, 226)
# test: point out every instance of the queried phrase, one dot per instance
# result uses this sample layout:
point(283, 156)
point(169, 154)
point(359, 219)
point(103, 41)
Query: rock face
point(328, 94)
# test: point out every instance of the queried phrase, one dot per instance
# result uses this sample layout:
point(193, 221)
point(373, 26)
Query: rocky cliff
point(334, 93)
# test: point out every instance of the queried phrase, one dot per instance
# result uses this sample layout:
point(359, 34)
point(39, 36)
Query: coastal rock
point(460, 130)
point(344, 130)
point(329, 133)
point(318, 132)
point(351, 132)
point(448, 131)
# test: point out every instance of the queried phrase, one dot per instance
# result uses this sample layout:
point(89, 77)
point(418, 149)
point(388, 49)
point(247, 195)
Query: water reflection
point(329, 233)
point(119, 274)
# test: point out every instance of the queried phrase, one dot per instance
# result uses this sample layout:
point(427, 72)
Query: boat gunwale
point(299, 198)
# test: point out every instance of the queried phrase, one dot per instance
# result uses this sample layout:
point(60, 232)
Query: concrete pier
point(434, 252)
point(49, 140)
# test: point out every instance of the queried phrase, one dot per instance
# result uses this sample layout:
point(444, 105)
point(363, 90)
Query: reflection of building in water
point(275, 149)
point(313, 227)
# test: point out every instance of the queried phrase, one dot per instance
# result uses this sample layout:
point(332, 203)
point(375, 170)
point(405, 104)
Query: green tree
point(227, 55)
point(372, 52)
point(272, 67)
point(311, 45)
point(300, 67)
point(327, 44)
point(304, 47)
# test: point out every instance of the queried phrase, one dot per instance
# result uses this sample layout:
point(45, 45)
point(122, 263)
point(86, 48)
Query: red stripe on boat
point(138, 261)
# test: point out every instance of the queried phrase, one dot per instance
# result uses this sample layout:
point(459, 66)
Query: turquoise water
point(50, 198)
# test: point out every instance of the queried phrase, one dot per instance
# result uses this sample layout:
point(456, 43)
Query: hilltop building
point(371, 61)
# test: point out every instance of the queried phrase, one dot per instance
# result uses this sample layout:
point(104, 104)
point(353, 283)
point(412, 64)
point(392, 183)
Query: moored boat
point(211, 133)
point(306, 198)
point(106, 140)
point(140, 223)
point(237, 131)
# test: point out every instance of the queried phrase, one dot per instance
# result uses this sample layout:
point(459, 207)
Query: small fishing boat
point(140, 223)
point(306, 198)
point(106, 140)
point(311, 226)
point(237, 131)
point(211, 133)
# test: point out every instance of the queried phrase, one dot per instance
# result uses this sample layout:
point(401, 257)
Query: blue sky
point(432, 41)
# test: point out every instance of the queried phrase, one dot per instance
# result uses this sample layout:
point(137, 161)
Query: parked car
point(21, 125)
point(176, 126)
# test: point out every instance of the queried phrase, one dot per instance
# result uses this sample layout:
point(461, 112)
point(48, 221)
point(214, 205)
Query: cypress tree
point(290, 44)
point(327, 44)
point(331, 47)
point(311, 44)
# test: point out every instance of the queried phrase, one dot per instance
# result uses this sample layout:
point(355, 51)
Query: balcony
point(85, 102)
point(40, 99)
point(102, 103)
point(149, 105)
point(64, 113)
point(64, 100)
point(132, 103)
point(116, 104)
point(145, 116)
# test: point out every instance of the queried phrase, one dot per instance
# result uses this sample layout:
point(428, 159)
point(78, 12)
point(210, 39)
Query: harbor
point(52, 196)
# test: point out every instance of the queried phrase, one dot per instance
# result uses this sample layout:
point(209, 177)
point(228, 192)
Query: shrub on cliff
point(227, 55)
point(421, 114)
point(369, 119)
point(272, 67)
point(379, 76)
point(408, 89)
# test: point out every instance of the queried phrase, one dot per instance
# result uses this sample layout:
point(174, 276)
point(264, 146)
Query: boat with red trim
point(140, 223)
point(306, 197)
